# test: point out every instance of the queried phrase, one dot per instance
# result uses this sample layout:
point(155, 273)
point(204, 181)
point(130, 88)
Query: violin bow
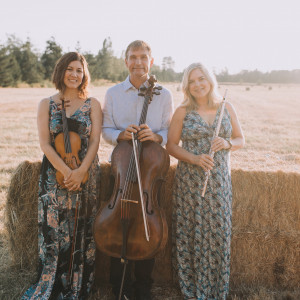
point(73, 247)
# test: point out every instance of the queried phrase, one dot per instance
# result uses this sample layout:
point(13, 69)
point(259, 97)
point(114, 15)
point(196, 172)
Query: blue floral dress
point(202, 225)
point(58, 277)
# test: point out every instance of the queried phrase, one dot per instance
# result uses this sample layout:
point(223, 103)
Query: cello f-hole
point(112, 204)
point(149, 209)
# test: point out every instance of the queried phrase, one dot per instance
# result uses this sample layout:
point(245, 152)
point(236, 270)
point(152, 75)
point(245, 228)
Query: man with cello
point(122, 110)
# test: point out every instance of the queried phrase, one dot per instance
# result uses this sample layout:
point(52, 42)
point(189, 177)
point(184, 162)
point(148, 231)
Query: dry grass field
point(269, 115)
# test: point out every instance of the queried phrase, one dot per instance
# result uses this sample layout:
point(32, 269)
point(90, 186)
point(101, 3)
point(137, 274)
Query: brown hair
point(136, 45)
point(61, 67)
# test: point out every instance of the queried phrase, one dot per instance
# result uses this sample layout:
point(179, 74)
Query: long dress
point(202, 226)
point(58, 277)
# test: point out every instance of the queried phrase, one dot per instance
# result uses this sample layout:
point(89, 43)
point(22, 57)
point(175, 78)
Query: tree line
point(257, 77)
point(21, 62)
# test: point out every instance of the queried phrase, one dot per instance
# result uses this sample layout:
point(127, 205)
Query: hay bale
point(262, 259)
point(21, 214)
point(265, 249)
point(266, 201)
point(266, 228)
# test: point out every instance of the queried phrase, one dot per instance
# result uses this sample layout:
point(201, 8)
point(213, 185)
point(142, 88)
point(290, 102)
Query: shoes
point(138, 295)
point(143, 294)
point(124, 297)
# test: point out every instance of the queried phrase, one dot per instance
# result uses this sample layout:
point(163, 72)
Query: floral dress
point(62, 275)
point(202, 225)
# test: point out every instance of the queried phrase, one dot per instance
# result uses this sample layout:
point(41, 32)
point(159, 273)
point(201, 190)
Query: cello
point(131, 225)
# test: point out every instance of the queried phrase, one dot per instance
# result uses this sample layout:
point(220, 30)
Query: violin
point(67, 145)
point(131, 225)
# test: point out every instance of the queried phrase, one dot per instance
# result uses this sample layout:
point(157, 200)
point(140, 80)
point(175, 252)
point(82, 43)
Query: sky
point(233, 34)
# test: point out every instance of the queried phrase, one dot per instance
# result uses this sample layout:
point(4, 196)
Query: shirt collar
point(128, 85)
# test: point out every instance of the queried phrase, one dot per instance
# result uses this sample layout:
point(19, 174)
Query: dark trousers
point(142, 273)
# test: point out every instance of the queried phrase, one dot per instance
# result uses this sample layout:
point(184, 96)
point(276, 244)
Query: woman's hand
point(204, 161)
point(219, 143)
point(73, 179)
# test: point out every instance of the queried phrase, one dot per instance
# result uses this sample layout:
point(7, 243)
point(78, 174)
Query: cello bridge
point(131, 201)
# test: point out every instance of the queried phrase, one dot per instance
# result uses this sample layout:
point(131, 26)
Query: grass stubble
point(270, 119)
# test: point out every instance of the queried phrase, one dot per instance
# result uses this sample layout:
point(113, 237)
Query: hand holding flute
point(217, 142)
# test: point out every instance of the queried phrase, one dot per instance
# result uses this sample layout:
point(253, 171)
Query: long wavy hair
point(60, 70)
point(214, 98)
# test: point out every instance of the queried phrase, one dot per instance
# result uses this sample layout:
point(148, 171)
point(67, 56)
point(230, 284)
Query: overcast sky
point(237, 34)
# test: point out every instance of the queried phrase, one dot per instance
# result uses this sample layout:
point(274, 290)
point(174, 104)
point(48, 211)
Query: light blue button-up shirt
point(123, 107)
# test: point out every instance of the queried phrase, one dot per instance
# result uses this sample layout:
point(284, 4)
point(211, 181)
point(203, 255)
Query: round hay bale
point(21, 214)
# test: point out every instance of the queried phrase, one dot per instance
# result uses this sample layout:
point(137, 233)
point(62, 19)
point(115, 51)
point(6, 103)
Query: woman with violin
point(123, 118)
point(209, 130)
point(69, 127)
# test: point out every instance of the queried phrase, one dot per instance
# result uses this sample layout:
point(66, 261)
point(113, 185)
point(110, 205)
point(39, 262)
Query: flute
point(216, 133)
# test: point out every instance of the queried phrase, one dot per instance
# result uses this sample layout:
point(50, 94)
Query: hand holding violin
point(68, 145)
point(73, 179)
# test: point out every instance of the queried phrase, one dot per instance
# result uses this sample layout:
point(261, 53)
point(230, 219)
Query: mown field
point(269, 116)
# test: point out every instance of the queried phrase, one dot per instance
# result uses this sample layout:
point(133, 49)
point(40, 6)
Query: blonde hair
point(189, 101)
point(61, 67)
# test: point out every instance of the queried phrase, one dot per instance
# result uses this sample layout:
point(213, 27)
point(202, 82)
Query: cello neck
point(145, 109)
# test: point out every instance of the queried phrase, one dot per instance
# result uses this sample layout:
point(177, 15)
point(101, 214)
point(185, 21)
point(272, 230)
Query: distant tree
point(31, 67)
point(104, 60)
point(13, 46)
point(92, 63)
point(49, 58)
point(168, 73)
point(223, 76)
point(6, 78)
point(78, 47)
point(168, 63)
point(119, 71)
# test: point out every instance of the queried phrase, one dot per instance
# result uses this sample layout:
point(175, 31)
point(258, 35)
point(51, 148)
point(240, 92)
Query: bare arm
point(76, 176)
point(45, 140)
point(202, 160)
point(237, 138)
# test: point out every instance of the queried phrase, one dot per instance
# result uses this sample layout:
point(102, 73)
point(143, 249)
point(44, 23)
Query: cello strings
point(131, 173)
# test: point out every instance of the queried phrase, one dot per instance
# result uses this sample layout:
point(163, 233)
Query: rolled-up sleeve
point(110, 132)
point(167, 113)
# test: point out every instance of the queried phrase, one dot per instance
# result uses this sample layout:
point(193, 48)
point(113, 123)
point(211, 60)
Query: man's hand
point(126, 134)
point(146, 134)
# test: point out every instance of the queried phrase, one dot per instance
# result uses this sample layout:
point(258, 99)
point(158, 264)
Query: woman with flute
point(202, 221)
